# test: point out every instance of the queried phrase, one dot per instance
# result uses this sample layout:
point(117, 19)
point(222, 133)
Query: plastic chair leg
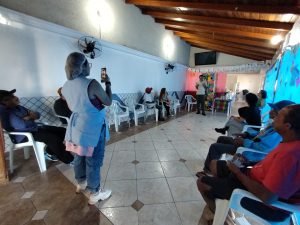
point(156, 115)
point(11, 159)
point(135, 119)
point(39, 154)
point(26, 152)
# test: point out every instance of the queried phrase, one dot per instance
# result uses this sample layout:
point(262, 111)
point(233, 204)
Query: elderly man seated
point(265, 140)
point(150, 103)
point(275, 177)
point(15, 117)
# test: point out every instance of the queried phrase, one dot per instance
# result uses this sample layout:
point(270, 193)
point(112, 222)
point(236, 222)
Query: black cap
point(281, 104)
point(4, 93)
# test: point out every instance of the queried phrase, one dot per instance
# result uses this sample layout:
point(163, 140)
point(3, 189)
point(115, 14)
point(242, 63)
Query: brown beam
point(226, 43)
point(207, 5)
point(229, 49)
point(219, 30)
point(229, 53)
point(218, 20)
point(250, 42)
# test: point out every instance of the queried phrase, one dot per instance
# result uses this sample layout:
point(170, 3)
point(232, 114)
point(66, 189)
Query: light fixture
point(276, 39)
point(3, 20)
point(182, 8)
point(179, 19)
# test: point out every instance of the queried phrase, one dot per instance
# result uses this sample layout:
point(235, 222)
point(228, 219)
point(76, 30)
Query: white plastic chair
point(223, 206)
point(138, 109)
point(175, 105)
point(120, 112)
point(150, 108)
point(38, 148)
point(190, 101)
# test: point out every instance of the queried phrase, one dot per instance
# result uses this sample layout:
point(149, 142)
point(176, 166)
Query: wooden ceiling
point(238, 27)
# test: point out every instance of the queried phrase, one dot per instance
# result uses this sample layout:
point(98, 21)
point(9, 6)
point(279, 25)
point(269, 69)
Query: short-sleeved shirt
point(279, 172)
point(201, 87)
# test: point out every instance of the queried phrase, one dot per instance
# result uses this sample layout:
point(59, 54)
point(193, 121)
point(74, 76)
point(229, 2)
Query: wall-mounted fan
point(169, 67)
point(90, 46)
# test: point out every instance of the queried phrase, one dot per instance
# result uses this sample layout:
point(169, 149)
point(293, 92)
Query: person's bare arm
point(253, 186)
point(96, 90)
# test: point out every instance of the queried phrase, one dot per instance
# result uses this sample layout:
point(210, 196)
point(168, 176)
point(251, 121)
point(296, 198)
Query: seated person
point(262, 96)
point(164, 100)
point(265, 140)
point(150, 103)
point(18, 118)
point(61, 107)
point(247, 115)
point(275, 177)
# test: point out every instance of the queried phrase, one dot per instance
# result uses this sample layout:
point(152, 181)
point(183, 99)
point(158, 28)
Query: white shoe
point(100, 195)
point(80, 187)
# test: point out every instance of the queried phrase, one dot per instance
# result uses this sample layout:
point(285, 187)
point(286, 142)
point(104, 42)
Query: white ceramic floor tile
point(121, 215)
point(190, 212)
point(144, 146)
point(154, 191)
point(122, 157)
point(28, 194)
point(39, 215)
point(161, 214)
point(149, 170)
point(175, 169)
point(184, 189)
point(146, 156)
point(124, 193)
point(124, 146)
point(168, 155)
point(121, 172)
point(188, 154)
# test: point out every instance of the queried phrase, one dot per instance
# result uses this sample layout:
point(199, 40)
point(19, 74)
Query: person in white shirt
point(201, 86)
point(150, 103)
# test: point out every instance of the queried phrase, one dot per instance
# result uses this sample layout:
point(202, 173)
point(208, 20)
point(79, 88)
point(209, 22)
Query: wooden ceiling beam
point(207, 5)
point(227, 43)
point(218, 20)
point(229, 49)
point(257, 51)
point(230, 53)
point(219, 30)
point(236, 46)
point(212, 36)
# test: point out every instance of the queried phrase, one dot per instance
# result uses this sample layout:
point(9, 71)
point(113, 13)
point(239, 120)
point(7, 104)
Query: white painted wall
point(121, 24)
point(222, 58)
point(33, 54)
point(251, 82)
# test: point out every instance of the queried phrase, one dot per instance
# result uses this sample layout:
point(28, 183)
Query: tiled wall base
point(44, 105)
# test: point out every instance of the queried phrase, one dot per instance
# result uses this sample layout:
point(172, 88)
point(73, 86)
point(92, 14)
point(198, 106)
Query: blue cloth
point(86, 120)
point(266, 140)
point(87, 128)
point(12, 119)
point(88, 168)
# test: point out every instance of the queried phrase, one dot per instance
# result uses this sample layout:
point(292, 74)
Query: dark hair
point(162, 92)
point(251, 99)
point(263, 94)
point(243, 112)
point(293, 117)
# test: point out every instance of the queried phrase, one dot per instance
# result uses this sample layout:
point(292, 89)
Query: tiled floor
point(150, 169)
point(152, 173)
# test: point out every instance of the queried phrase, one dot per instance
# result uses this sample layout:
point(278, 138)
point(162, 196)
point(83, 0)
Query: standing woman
point(164, 100)
point(87, 130)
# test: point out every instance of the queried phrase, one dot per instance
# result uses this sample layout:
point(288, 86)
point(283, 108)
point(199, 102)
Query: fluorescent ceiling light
point(183, 8)
point(3, 20)
point(178, 19)
point(276, 39)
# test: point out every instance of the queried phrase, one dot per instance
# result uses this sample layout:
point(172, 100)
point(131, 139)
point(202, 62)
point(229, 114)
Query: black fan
point(90, 46)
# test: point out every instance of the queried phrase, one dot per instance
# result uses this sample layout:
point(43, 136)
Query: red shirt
point(279, 172)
